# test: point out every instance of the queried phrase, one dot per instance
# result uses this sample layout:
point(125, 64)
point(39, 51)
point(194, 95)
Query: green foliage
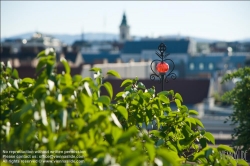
point(56, 111)
point(218, 156)
point(239, 97)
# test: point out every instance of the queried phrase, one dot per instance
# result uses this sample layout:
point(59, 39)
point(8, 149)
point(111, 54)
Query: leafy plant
point(239, 97)
point(58, 112)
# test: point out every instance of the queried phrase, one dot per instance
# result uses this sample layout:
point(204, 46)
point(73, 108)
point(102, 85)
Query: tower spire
point(124, 19)
point(124, 29)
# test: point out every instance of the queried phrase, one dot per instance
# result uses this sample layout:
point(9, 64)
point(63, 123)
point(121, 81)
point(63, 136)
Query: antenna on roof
point(36, 30)
point(82, 35)
point(178, 36)
point(104, 27)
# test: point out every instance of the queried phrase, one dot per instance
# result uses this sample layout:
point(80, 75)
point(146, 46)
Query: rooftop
point(173, 46)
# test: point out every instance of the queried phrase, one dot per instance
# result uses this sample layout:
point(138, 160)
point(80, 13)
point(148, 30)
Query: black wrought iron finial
point(162, 67)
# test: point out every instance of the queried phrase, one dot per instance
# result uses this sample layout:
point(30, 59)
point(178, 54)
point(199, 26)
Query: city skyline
point(213, 20)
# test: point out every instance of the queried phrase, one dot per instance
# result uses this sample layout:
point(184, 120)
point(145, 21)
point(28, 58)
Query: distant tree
point(239, 97)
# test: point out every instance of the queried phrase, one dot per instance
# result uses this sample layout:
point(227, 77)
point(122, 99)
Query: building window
point(191, 66)
point(201, 66)
point(123, 36)
point(211, 66)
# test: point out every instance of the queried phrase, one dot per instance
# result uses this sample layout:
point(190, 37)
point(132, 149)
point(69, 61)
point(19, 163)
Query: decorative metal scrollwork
point(163, 72)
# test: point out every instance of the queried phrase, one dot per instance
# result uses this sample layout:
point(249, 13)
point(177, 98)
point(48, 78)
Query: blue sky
point(223, 20)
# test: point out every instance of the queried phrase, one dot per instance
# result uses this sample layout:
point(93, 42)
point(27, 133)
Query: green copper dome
point(124, 20)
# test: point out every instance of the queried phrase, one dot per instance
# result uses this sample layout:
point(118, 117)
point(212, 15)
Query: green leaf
point(123, 111)
point(104, 99)
point(193, 112)
point(203, 132)
point(119, 94)
point(183, 109)
point(126, 82)
point(109, 88)
point(156, 133)
point(95, 69)
point(15, 74)
point(28, 80)
point(157, 122)
point(87, 79)
point(178, 96)
point(128, 88)
point(146, 96)
point(41, 64)
point(133, 158)
point(171, 92)
point(151, 91)
point(114, 73)
point(135, 102)
point(127, 135)
point(77, 78)
point(20, 96)
point(168, 157)
point(242, 162)
point(160, 142)
point(198, 122)
point(208, 152)
point(50, 67)
point(186, 130)
point(116, 133)
point(199, 155)
point(66, 65)
point(67, 79)
point(209, 137)
point(163, 93)
point(68, 90)
point(171, 146)
point(164, 99)
point(97, 150)
point(141, 85)
point(187, 120)
point(203, 142)
point(41, 54)
point(151, 151)
point(225, 147)
point(24, 112)
point(233, 162)
point(192, 120)
point(39, 91)
point(178, 103)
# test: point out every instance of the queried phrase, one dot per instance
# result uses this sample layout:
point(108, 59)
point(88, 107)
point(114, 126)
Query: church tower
point(124, 29)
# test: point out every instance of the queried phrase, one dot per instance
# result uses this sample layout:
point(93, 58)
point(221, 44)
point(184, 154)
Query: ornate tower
point(124, 29)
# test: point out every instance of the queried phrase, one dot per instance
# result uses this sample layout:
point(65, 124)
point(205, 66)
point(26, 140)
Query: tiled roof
point(206, 59)
point(71, 56)
point(173, 46)
point(91, 58)
point(217, 59)
point(81, 43)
